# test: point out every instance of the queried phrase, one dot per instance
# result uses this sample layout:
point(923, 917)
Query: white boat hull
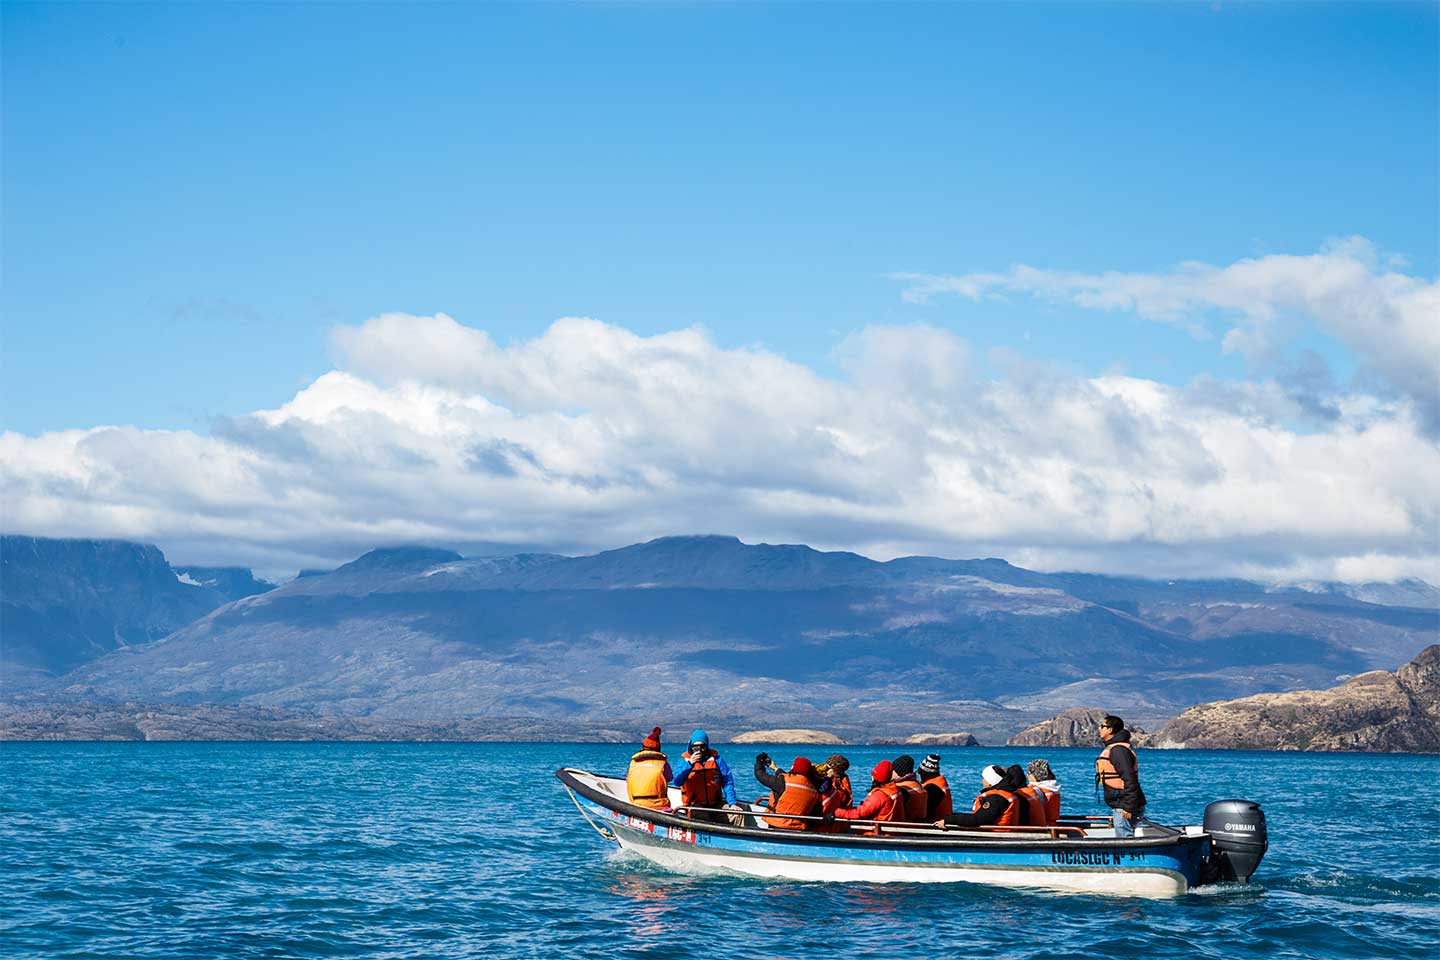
point(683, 859)
point(1164, 865)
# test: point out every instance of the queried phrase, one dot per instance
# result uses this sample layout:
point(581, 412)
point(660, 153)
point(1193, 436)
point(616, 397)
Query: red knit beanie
point(802, 766)
point(652, 742)
point(881, 773)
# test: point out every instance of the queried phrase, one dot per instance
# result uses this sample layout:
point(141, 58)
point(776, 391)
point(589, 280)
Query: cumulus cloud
point(1389, 320)
point(591, 436)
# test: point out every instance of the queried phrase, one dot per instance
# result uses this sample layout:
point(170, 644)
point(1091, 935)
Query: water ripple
point(458, 850)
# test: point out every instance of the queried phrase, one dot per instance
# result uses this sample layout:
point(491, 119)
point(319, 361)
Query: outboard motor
point(1237, 840)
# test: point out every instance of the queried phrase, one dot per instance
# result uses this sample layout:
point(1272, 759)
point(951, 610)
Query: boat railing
point(883, 827)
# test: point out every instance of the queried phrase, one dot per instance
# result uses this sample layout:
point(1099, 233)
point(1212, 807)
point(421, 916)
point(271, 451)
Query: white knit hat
point(992, 775)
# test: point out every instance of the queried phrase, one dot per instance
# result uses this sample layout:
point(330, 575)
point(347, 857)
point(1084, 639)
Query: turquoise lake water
point(474, 850)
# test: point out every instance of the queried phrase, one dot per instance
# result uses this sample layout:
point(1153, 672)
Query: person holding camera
point(793, 794)
point(705, 780)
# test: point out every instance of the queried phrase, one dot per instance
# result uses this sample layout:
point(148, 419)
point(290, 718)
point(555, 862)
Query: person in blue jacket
point(704, 778)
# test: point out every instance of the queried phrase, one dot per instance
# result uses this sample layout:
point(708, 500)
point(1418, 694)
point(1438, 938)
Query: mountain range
point(677, 631)
point(65, 602)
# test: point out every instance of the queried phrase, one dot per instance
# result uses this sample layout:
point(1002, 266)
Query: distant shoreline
point(978, 750)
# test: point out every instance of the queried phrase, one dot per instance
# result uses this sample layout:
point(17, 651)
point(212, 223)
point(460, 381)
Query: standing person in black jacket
point(1117, 770)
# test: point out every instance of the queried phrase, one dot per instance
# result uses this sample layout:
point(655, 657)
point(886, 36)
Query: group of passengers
point(811, 796)
point(707, 786)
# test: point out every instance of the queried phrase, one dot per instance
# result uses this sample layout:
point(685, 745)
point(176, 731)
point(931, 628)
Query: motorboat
point(1074, 854)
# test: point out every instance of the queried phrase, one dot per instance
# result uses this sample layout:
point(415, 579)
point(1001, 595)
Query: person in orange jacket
point(939, 804)
point(1042, 778)
point(794, 793)
point(885, 802)
point(835, 790)
point(916, 800)
point(648, 778)
point(1117, 769)
point(705, 781)
point(1032, 801)
point(998, 804)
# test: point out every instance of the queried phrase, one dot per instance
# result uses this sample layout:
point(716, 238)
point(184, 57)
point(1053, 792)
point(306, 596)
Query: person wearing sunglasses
point(1117, 772)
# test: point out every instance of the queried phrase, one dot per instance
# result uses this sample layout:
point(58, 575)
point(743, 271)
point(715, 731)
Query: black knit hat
point(903, 765)
point(930, 766)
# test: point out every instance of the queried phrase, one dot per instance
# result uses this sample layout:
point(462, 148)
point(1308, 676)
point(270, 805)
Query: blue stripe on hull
point(1178, 860)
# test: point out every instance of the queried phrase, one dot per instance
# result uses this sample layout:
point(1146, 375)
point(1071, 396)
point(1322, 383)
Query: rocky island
point(960, 739)
point(1079, 727)
point(1378, 712)
point(786, 736)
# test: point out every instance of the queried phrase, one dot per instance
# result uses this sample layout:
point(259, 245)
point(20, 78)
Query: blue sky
point(1121, 287)
point(195, 194)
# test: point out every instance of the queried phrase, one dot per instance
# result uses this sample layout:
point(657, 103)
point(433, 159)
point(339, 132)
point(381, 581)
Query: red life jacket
point(645, 780)
point(840, 796)
point(945, 807)
point(1034, 809)
point(916, 801)
point(892, 812)
point(1011, 816)
point(1052, 804)
point(1105, 772)
point(799, 799)
point(704, 787)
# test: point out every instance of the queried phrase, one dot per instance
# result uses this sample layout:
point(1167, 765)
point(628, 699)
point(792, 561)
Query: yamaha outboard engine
point(1237, 840)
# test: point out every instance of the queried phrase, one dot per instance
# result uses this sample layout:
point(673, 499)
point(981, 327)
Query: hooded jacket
point(727, 779)
point(1050, 789)
point(1129, 797)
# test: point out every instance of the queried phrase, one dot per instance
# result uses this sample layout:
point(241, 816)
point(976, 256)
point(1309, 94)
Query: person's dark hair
point(1113, 722)
point(1015, 777)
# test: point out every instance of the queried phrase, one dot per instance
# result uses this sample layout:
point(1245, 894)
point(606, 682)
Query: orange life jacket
point(645, 780)
point(916, 801)
point(800, 799)
point(1105, 772)
point(1011, 816)
point(1052, 803)
point(945, 807)
point(704, 787)
point(1034, 800)
point(840, 796)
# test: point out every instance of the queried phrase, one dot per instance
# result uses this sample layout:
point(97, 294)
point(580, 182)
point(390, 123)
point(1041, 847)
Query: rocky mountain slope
point(1374, 712)
point(685, 629)
point(64, 602)
point(1079, 727)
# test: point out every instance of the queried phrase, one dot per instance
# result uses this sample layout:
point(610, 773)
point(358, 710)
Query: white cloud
point(1391, 321)
point(591, 436)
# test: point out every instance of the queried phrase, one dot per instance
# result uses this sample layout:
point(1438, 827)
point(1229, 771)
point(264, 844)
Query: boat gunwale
point(566, 775)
